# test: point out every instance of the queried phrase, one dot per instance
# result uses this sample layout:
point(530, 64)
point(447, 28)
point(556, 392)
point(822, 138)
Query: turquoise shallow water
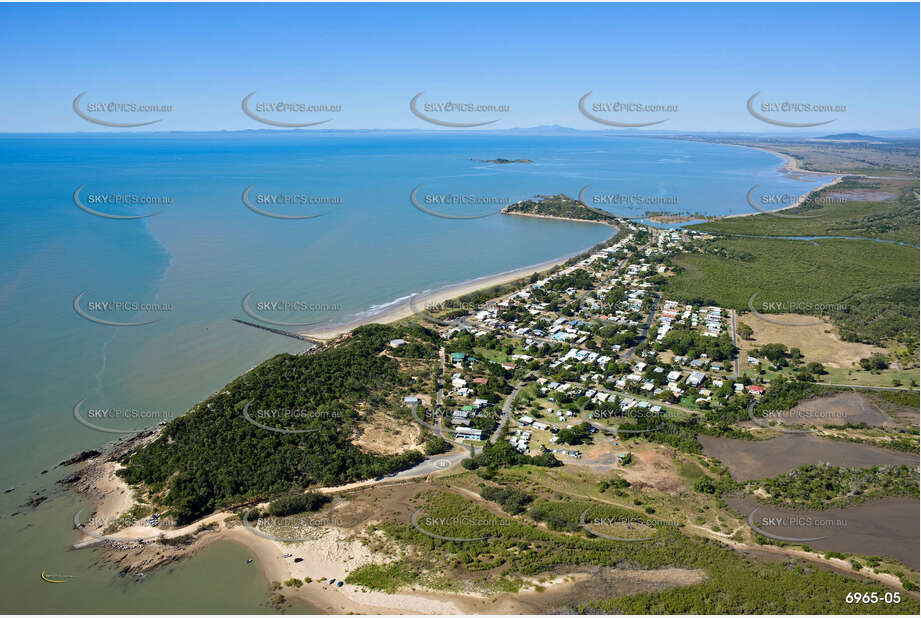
point(206, 250)
point(214, 580)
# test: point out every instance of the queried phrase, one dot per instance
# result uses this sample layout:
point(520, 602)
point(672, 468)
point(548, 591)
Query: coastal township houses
point(466, 433)
point(566, 331)
point(528, 428)
point(708, 320)
point(463, 418)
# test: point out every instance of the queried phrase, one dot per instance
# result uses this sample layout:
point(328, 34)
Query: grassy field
point(888, 377)
point(869, 208)
point(515, 549)
point(877, 283)
point(819, 344)
point(856, 376)
point(867, 155)
point(897, 157)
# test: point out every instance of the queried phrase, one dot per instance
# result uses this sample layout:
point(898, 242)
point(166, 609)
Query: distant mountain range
point(554, 130)
point(853, 137)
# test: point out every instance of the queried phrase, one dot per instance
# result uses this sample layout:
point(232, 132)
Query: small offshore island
point(569, 440)
point(461, 310)
point(501, 161)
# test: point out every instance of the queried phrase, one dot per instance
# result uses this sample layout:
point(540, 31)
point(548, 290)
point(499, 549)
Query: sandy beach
point(327, 552)
point(404, 309)
point(790, 166)
point(797, 204)
point(331, 556)
point(115, 496)
point(330, 552)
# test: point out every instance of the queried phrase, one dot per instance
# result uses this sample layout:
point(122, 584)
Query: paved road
point(429, 466)
point(732, 314)
point(463, 322)
point(436, 464)
point(440, 383)
point(505, 333)
point(617, 270)
point(872, 388)
point(654, 402)
point(507, 408)
point(645, 330)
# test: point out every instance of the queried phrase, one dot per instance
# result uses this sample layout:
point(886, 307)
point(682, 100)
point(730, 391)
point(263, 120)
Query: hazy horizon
point(701, 62)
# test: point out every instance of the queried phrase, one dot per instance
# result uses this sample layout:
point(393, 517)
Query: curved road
point(507, 407)
point(644, 331)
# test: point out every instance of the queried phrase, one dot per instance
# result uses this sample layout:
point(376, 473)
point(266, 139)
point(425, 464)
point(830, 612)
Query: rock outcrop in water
point(501, 161)
point(81, 456)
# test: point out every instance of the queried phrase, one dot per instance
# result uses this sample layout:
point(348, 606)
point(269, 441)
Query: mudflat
point(758, 459)
point(838, 409)
point(887, 527)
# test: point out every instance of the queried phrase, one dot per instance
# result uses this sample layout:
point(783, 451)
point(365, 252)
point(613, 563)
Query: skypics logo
point(795, 306)
point(623, 107)
point(274, 204)
point(119, 201)
point(485, 526)
point(288, 529)
point(636, 205)
point(628, 416)
point(773, 203)
point(435, 428)
point(800, 415)
point(425, 309)
point(451, 109)
point(117, 109)
point(129, 415)
point(257, 109)
point(112, 524)
point(287, 415)
point(438, 204)
point(117, 307)
point(798, 521)
point(791, 107)
point(259, 309)
point(628, 524)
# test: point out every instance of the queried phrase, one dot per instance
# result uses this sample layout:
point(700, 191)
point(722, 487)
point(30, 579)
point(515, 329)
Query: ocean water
point(216, 579)
point(205, 250)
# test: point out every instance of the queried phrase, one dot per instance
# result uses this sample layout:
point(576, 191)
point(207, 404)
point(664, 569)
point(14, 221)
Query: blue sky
point(537, 59)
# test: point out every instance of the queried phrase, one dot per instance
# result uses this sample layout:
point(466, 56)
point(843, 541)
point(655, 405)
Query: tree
point(704, 485)
point(876, 362)
point(775, 352)
point(816, 368)
point(436, 445)
point(575, 435)
point(298, 503)
point(745, 331)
